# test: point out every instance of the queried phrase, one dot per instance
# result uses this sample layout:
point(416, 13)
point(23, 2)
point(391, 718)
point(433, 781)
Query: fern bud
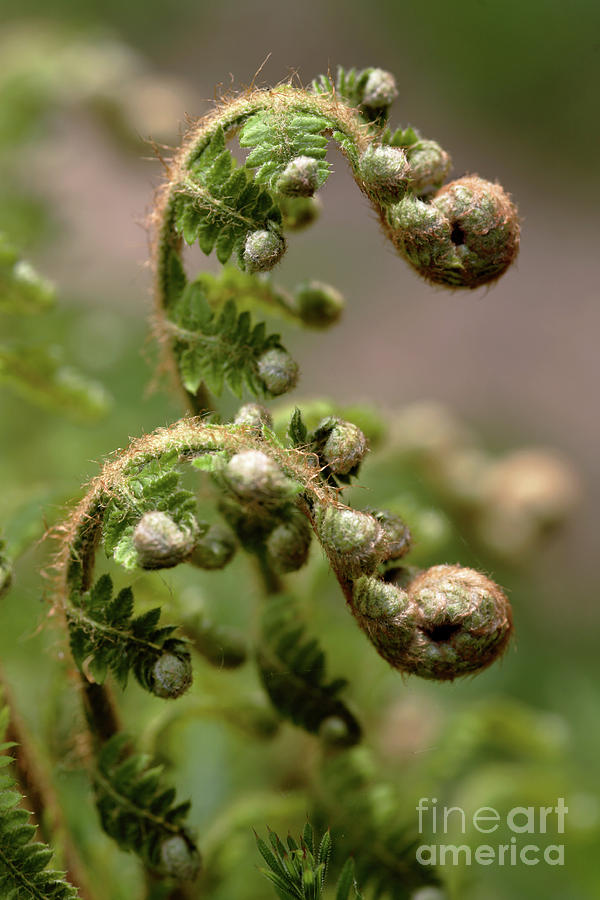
point(380, 89)
point(262, 250)
point(450, 621)
point(299, 212)
point(385, 172)
point(277, 371)
point(254, 415)
point(397, 533)
point(334, 732)
point(215, 549)
point(464, 623)
point(253, 477)
point(171, 675)
point(160, 543)
point(429, 165)
point(355, 540)
point(319, 305)
point(300, 178)
point(342, 445)
point(288, 544)
point(467, 236)
point(179, 859)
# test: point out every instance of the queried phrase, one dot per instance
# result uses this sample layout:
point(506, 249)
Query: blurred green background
point(510, 90)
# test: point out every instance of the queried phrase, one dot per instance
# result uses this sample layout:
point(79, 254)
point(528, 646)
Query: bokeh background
point(510, 90)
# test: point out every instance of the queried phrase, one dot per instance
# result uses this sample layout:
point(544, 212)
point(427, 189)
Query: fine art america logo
point(521, 821)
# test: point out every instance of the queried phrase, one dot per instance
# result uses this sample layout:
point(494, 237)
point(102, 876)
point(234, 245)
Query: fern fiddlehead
point(464, 234)
point(274, 493)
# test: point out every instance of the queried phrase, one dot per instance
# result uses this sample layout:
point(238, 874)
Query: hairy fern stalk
point(276, 491)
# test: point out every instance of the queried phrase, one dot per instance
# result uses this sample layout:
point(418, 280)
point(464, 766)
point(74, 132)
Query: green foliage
point(370, 827)
point(22, 290)
point(348, 85)
point(299, 871)
point(140, 813)
point(292, 669)
point(152, 486)
point(105, 636)
point(39, 375)
point(221, 204)
point(278, 138)
point(23, 862)
point(401, 137)
point(219, 347)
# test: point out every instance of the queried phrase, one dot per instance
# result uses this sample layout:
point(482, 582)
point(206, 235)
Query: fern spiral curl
point(463, 234)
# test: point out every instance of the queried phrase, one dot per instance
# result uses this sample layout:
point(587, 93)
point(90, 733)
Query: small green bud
point(467, 236)
point(342, 445)
point(385, 172)
point(171, 675)
point(428, 167)
point(299, 212)
point(179, 858)
point(397, 533)
point(215, 549)
point(254, 415)
point(300, 178)
point(380, 89)
point(334, 732)
point(256, 478)
point(277, 371)
point(354, 539)
point(262, 250)
point(161, 543)
point(288, 544)
point(319, 305)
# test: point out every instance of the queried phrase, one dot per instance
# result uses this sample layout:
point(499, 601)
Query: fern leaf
point(292, 669)
point(348, 85)
point(153, 486)
point(140, 814)
point(105, 637)
point(23, 862)
point(383, 845)
point(39, 375)
point(278, 138)
point(220, 347)
point(297, 872)
point(220, 205)
point(22, 290)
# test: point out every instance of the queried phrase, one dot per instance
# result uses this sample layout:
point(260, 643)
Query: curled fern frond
point(140, 813)
point(24, 872)
point(292, 669)
point(106, 637)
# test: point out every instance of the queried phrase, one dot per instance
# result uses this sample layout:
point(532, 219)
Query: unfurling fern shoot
point(277, 498)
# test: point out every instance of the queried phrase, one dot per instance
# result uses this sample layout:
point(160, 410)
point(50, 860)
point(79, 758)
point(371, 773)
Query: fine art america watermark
point(521, 821)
